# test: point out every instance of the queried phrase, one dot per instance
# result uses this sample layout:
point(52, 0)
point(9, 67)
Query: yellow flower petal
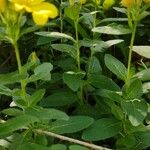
point(19, 7)
point(40, 10)
point(25, 4)
point(2, 5)
point(40, 18)
point(46, 8)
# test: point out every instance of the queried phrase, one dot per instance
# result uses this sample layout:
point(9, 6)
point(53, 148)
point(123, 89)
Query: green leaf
point(58, 147)
point(29, 30)
point(116, 67)
point(113, 42)
point(112, 95)
point(60, 98)
point(86, 42)
point(126, 142)
point(122, 10)
point(98, 46)
point(74, 124)
point(143, 14)
point(143, 75)
point(93, 111)
point(5, 90)
point(16, 123)
point(114, 20)
point(10, 78)
point(113, 29)
point(2, 148)
point(70, 49)
point(146, 87)
point(102, 129)
point(18, 139)
point(12, 112)
point(46, 114)
point(4, 144)
point(133, 90)
point(42, 40)
point(117, 112)
point(73, 79)
point(41, 72)
point(41, 139)
point(36, 97)
point(56, 35)
point(144, 51)
point(87, 19)
point(103, 82)
point(142, 140)
point(77, 147)
point(72, 12)
point(81, 29)
point(17, 99)
point(94, 66)
point(33, 146)
point(66, 63)
point(136, 111)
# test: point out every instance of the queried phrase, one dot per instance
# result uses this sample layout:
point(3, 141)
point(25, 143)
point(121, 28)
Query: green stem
point(61, 19)
point(78, 59)
point(77, 45)
point(94, 17)
point(17, 57)
point(89, 61)
point(23, 84)
point(129, 19)
point(95, 9)
point(94, 21)
point(130, 52)
point(124, 124)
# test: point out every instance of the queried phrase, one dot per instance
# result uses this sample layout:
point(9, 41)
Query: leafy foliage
point(84, 75)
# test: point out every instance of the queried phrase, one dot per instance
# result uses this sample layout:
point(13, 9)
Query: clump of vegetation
point(82, 79)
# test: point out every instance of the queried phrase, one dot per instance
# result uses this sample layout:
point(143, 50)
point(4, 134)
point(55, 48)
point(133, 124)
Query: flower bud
point(128, 3)
point(107, 4)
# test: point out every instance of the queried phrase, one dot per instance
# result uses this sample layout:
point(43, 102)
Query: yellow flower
point(107, 4)
point(128, 3)
point(41, 11)
point(2, 5)
point(82, 1)
point(146, 1)
point(25, 4)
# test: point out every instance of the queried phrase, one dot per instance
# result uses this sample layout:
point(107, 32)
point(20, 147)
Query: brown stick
point(64, 138)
